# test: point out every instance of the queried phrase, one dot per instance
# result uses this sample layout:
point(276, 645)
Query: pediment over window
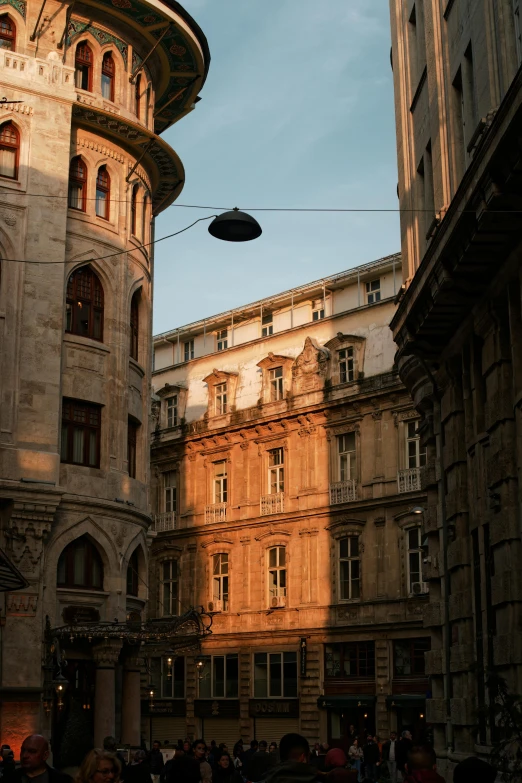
point(340, 340)
point(310, 367)
point(216, 540)
point(169, 389)
point(347, 351)
point(345, 525)
point(220, 376)
point(272, 532)
point(221, 392)
point(274, 360)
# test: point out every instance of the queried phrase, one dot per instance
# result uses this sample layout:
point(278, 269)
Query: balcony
point(272, 504)
point(216, 512)
point(409, 480)
point(343, 492)
point(163, 522)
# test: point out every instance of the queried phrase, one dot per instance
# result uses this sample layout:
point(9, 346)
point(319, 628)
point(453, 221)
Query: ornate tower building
point(83, 171)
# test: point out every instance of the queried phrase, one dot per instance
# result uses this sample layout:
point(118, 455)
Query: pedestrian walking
point(156, 762)
point(294, 766)
point(183, 768)
point(355, 754)
point(474, 770)
point(99, 766)
point(420, 766)
point(200, 750)
point(336, 767)
point(33, 764)
point(372, 758)
point(389, 755)
point(225, 772)
point(139, 771)
point(404, 745)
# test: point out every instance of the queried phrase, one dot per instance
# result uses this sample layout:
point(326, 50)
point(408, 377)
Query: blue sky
point(297, 111)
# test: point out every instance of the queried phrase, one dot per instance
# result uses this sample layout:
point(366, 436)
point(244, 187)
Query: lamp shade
point(235, 226)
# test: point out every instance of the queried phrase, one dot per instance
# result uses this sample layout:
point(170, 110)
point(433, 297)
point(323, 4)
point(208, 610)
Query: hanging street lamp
point(235, 226)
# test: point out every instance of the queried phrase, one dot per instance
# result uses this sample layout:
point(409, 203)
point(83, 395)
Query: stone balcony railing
point(409, 480)
point(272, 504)
point(35, 69)
point(215, 512)
point(343, 492)
point(164, 521)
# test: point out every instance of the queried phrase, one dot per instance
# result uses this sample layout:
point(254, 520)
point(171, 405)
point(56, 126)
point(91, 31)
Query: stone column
point(105, 657)
point(131, 704)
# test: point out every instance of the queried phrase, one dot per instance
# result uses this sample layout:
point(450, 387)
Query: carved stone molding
point(309, 369)
point(272, 531)
point(106, 655)
point(27, 530)
point(21, 604)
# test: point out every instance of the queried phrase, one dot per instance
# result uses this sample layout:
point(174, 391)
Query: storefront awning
point(346, 700)
point(10, 577)
point(405, 699)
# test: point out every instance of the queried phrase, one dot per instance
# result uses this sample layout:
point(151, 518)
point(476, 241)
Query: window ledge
point(418, 91)
point(93, 592)
point(137, 366)
point(87, 342)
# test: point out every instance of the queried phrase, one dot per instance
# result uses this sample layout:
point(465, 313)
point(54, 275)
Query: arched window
point(85, 304)
point(9, 150)
point(103, 192)
point(78, 184)
point(83, 67)
point(134, 326)
point(137, 96)
point(80, 565)
point(144, 213)
point(132, 574)
point(147, 107)
point(7, 33)
point(134, 209)
point(107, 79)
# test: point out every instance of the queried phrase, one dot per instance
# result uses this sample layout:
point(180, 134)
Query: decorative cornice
point(273, 531)
point(18, 5)
point(77, 27)
point(101, 148)
point(20, 108)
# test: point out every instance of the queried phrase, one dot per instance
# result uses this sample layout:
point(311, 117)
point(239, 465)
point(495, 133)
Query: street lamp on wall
point(60, 685)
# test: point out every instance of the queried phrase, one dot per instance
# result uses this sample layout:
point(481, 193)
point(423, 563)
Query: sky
point(297, 111)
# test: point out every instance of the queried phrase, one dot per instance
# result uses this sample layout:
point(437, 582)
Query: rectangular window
point(172, 677)
point(169, 588)
point(349, 569)
point(222, 339)
point(346, 365)
point(132, 439)
point(172, 411)
point(408, 657)
point(221, 398)
point(267, 323)
point(81, 428)
point(415, 452)
point(277, 572)
point(219, 677)
point(188, 350)
point(353, 659)
point(170, 491)
point(373, 291)
point(275, 675)
point(220, 482)
point(276, 384)
point(347, 463)
point(220, 579)
point(415, 584)
point(276, 471)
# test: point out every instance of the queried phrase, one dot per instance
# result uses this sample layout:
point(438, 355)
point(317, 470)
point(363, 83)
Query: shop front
point(273, 718)
point(345, 711)
point(408, 711)
point(218, 719)
point(164, 720)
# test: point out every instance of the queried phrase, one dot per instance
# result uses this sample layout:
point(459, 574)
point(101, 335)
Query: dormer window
point(172, 411)
point(276, 384)
point(222, 340)
point(277, 377)
point(346, 365)
point(221, 399)
point(267, 323)
point(347, 351)
point(221, 392)
point(373, 291)
point(318, 312)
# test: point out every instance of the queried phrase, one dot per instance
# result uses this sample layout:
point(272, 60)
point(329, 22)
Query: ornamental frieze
point(76, 28)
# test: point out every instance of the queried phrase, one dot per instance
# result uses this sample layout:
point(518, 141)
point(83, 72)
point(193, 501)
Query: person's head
point(406, 735)
point(393, 736)
point(34, 754)
point(335, 757)
point(474, 770)
point(325, 747)
point(369, 738)
point(352, 728)
point(273, 747)
point(109, 743)
point(140, 756)
point(294, 747)
point(156, 745)
point(213, 744)
point(421, 757)
point(224, 761)
point(263, 746)
point(186, 746)
point(254, 744)
point(317, 746)
point(99, 766)
point(356, 742)
point(199, 749)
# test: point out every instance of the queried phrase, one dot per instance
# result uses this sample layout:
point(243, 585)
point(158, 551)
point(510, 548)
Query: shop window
point(353, 659)
point(9, 150)
point(408, 657)
point(132, 574)
point(83, 67)
point(219, 677)
point(7, 33)
point(103, 193)
point(81, 427)
point(107, 79)
point(78, 184)
point(80, 566)
point(220, 582)
point(275, 675)
point(169, 588)
point(349, 568)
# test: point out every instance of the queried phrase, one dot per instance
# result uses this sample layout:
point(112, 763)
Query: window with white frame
point(349, 568)
point(220, 489)
point(415, 584)
point(275, 675)
point(170, 491)
point(318, 311)
point(172, 411)
point(346, 365)
point(267, 325)
point(277, 572)
point(276, 384)
point(169, 588)
point(220, 579)
point(415, 452)
point(373, 291)
point(220, 398)
point(188, 350)
point(346, 456)
point(222, 339)
point(219, 677)
point(276, 471)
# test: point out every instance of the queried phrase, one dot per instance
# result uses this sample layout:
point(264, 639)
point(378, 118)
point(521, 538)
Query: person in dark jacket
point(34, 766)
point(294, 767)
point(182, 769)
point(474, 770)
point(420, 766)
point(138, 771)
point(225, 772)
point(389, 755)
point(372, 758)
point(156, 762)
point(246, 755)
point(403, 747)
point(336, 767)
point(260, 763)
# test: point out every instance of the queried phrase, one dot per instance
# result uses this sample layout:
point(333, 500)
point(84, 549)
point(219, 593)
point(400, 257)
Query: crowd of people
point(291, 762)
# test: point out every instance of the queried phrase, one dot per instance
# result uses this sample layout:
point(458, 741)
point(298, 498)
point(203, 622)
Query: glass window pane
point(219, 676)
point(179, 677)
point(290, 675)
point(282, 556)
point(232, 685)
point(272, 557)
point(344, 584)
point(343, 547)
point(354, 546)
point(205, 682)
point(79, 564)
point(276, 684)
point(260, 675)
point(413, 538)
point(78, 445)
